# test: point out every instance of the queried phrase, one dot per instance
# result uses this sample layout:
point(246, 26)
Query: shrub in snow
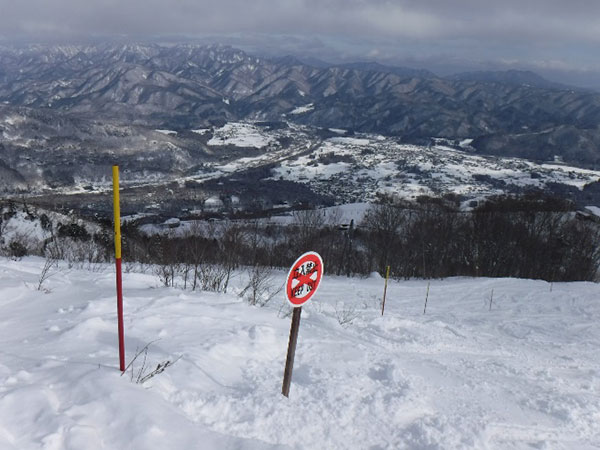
point(213, 277)
point(166, 274)
point(260, 288)
point(17, 249)
point(345, 314)
point(144, 373)
point(47, 271)
point(45, 222)
point(80, 253)
point(74, 231)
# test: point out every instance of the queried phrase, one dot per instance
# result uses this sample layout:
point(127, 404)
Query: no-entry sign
point(302, 283)
point(304, 278)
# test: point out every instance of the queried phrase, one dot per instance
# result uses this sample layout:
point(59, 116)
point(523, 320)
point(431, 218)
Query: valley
point(253, 168)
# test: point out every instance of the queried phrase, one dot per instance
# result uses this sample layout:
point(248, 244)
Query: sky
point(559, 39)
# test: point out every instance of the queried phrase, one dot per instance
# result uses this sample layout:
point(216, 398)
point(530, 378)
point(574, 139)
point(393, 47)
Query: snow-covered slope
point(523, 375)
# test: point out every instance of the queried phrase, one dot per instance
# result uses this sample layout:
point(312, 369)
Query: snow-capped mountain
point(186, 86)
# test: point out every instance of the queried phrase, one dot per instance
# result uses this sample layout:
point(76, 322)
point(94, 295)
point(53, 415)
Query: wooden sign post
point(302, 283)
point(289, 361)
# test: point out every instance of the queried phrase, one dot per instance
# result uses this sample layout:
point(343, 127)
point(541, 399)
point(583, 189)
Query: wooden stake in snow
point(387, 276)
point(491, 298)
point(426, 297)
point(291, 353)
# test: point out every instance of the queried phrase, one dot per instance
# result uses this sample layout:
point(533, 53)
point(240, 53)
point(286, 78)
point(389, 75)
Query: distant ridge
point(518, 77)
point(400, 71)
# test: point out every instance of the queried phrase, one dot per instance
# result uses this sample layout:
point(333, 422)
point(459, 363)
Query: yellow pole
point(117, 210)
point(387, 275)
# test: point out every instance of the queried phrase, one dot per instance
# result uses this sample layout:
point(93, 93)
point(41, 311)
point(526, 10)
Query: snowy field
point(240, 134)
point(524, 375)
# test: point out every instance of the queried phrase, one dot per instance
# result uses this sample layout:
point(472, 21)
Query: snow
point(240, 135)
point(21, 228)
point(172, 222)
point(348, 212)
point(201, 130)
point(594, 210)
point(213, 202)
point(29, 231)
point(350, 141)
point(134, 217)
point(303, 109)
point(523, 375)
point(167, 132)
point(13, 120)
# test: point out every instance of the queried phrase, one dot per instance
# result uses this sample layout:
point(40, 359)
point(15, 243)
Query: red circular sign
point(304, 278)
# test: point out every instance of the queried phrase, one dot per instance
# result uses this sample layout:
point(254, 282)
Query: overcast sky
point(558, 38)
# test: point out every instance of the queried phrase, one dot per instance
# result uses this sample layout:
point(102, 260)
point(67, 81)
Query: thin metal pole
point(289, 362)
point(426, 297)
point(387, 275)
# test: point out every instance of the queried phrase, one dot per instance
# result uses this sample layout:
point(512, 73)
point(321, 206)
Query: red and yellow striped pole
point(117, 210)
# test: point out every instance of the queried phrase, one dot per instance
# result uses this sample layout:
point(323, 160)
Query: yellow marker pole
point(117, 211)
point(387, 276)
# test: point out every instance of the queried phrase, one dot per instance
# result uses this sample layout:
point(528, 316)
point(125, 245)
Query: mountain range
point(190, 86)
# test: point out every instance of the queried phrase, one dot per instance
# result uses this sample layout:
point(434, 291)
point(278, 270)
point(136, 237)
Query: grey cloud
point(427, 19)
point(548, 31)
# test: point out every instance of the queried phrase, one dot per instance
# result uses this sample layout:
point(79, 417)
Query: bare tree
point(50, 262)
point(308, 224)
point(383, 221)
